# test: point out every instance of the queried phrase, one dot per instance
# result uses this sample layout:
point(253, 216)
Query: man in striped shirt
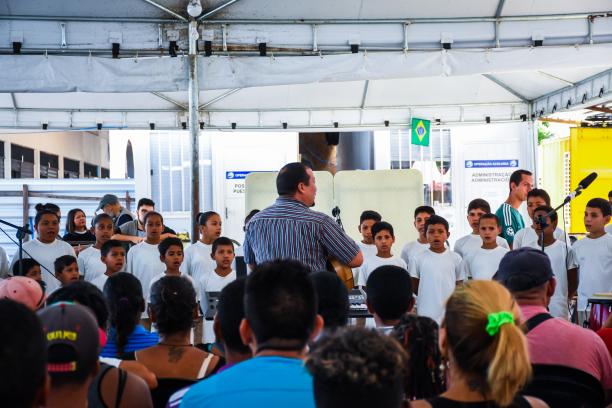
point(289, 229)
point(521, 183)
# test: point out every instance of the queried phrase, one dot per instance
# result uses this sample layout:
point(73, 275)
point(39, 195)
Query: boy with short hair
point(89, 260)
point(112, 255)
point(435, 272)
point(527, 236)
point(472, 242)
point(213, 281)
point(367, 219)
point(66, 269)
point(389, 296)
point(143, 259)
point(594, 253)
point(562, 259)
point(413, 248)
point(384, 238)
point(172, 255)
point(482, 262)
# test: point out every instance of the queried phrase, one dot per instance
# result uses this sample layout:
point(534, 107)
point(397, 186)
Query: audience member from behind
point(72, 342)
point(357, 368)
point(112, 255)
point(414, 248)
point(332, 298)
point(486, 350)
point(174, 360)
point(89, 260)
point(77, 232)
point(594, 253)
point(111, 387)
point(46, 248)
point(280, 318)
point(389, 296)
point(123, 293)
point(23, 290)
point(528, 274)
point(23, 357)
point(482, 262)
point(66, 269)
point(472, 242)
point(384, 238)
point(418, 335)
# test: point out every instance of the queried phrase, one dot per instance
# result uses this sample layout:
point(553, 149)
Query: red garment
point(606, 336)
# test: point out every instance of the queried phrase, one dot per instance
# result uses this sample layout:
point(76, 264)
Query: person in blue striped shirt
point(289, 229)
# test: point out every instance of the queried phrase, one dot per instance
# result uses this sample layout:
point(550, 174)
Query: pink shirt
point(557, 341)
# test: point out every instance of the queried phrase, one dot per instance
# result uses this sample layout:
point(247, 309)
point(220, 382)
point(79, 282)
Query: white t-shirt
point(608, 228)
point(99, 281)
point(528, 237)
point(144, 263)
point(438, 275)
point(369, 251)
point(470, 243)
point(595, 259)
point(211, 282)
point(90, 264)
point(183, 275)
point(374, 262)
point(557, 254)
point(197, 261)
point(4, 264)
point(483, 263)
point(413, 248)
point(45, 255)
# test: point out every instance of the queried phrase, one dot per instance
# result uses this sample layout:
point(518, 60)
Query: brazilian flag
point(420, 132)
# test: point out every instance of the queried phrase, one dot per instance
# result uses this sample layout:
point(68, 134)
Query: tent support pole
point(194, 128)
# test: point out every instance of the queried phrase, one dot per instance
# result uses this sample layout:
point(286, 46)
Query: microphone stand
point(21, 234)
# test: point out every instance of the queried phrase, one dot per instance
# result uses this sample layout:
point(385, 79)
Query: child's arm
point(128, 238)
point(572, 282)
point(415, 285)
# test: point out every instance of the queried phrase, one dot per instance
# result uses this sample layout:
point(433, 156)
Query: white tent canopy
point(308, 78)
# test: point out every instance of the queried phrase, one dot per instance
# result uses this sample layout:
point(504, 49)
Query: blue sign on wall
point(236, 175)
point(473, 164)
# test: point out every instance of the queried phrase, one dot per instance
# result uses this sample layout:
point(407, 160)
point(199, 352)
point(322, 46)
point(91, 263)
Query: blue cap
point(524, 269)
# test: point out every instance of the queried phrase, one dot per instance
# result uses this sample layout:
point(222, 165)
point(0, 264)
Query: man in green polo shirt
point(521, 183)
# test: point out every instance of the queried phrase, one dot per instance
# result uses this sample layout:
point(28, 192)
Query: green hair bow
point(496, 320)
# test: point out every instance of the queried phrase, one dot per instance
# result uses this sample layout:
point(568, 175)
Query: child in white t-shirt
point(562, 260)
point(215, 280)
point(594, 253)
point(46, 248)
point(198, 259)
point(527, 237)
point(413, 248)
point(383, 239)
point(436, 271)
point(472, 242)
point(367, 219)
point(171, 254)
point(143, 259)
point(90, 259)
point(112, 255)
point(482, 263)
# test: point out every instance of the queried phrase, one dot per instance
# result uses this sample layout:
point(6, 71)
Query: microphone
point(581, 186)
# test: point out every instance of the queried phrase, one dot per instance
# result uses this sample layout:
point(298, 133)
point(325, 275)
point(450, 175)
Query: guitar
point(343, 271)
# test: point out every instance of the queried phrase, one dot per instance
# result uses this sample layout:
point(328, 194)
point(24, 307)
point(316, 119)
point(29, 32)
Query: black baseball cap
point(524, 269)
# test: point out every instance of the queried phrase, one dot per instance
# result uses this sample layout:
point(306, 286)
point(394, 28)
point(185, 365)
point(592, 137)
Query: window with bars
point(71, 168)
point(49, 165)
point(90, 170)
point(433, 161)
point(22, 162)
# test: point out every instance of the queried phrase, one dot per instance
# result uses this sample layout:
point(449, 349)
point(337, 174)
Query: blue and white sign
point(236, 175)
point(480, 164)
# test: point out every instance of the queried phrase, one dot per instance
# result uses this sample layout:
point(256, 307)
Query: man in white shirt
point(482, 263)
point(472, 242)
point(383, 239)
point(413, 248)
point(436, 271)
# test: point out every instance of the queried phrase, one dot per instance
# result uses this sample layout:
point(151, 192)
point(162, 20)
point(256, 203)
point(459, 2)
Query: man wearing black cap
point(110, 205)
point(527, 273)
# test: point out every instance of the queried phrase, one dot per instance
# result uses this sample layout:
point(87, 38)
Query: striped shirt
point(511, 222)
point(138, 340)
point(288, 229)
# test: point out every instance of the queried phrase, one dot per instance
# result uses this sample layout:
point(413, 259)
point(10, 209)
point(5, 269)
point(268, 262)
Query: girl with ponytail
point(486, 350)
point(123, 292)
